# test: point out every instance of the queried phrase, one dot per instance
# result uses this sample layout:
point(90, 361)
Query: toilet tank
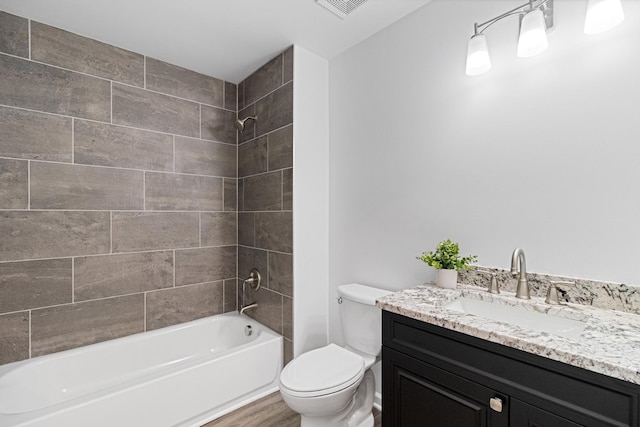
point(361, 319)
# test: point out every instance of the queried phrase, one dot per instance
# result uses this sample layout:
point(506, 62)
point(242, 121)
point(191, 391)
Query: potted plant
point(447, 261)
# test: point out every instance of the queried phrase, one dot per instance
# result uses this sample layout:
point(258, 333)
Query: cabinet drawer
point(582, 396)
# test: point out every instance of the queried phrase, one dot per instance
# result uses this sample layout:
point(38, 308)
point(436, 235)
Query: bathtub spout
point(247, 307)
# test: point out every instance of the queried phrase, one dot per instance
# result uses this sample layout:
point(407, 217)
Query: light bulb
point(602, 15)
point(478, 60)
point(533, 34)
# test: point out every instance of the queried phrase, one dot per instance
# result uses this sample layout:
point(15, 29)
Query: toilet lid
point(322, 371)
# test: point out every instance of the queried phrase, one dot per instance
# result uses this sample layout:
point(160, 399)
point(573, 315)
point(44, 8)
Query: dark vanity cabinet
point(435, 377)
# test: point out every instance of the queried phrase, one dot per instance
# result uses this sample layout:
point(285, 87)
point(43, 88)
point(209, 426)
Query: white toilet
point(333, 386)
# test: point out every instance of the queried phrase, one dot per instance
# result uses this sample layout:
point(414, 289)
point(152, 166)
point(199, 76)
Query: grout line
point(141, 211)
point(265, 173)
point(114, 124)
point(30, 333)
point(174, 268)
point(268, 170)
point(66, 304)
point(144, 310)
point(73, 140)
point(144, 190)
point(199, 229)
point(130, 253)
point(174, 153)
point(119, 168)
point(28, 184)
point(73, 280)
point(110, 232)
point(263, 134)
point(224, 292)
point(223, 207)
point(121, 210)
point(111, 101)
point(263, 249)
point(193, 101)
point(29, 31)
point(267, 94)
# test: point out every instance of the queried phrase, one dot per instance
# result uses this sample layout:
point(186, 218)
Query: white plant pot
point(447, 278)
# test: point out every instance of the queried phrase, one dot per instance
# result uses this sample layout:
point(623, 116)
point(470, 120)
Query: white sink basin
point(519, 316)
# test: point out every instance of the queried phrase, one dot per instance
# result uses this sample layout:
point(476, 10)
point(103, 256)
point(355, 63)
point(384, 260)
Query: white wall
point(310, 199)
point(540, 153)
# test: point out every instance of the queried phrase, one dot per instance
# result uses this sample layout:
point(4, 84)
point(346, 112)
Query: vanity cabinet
point(436, 377)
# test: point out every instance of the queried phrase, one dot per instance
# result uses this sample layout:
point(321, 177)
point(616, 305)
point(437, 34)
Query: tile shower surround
point(119, 193)
point(265, 178)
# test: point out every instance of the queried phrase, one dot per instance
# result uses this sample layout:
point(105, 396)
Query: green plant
point(447, 257)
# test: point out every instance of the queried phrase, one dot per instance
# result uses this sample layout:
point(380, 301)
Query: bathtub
point(183, 375)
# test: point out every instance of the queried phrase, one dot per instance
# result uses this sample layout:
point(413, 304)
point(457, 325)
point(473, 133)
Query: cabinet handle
point(495, 403)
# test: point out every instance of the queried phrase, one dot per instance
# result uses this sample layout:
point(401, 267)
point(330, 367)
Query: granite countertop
point(609, 344)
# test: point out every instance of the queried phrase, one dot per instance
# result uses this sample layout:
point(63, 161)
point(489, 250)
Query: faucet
point(254, 281)
point(247, 307)
point(522, 291)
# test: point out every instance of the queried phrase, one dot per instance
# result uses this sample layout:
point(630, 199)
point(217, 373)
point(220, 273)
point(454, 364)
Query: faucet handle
point(493, 284)
point(552, 293)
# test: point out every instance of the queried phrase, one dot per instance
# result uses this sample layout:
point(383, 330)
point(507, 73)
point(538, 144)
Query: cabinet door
point(525, 415)
point(417, 394)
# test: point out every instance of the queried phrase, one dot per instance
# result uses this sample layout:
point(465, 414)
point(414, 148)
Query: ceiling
point(228, 39)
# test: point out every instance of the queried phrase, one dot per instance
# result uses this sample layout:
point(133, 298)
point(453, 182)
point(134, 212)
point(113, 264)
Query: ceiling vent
point(341, 7)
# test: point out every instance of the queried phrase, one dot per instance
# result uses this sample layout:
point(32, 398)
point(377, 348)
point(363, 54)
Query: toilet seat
point(322, 371)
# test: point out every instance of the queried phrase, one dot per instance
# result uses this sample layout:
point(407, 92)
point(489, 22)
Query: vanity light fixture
point(536, 20)
point(602, 15)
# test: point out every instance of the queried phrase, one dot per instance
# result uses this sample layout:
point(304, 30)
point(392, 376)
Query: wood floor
point(270, 411)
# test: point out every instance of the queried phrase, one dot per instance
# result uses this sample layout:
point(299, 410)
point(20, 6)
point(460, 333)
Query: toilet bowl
point(332, 386)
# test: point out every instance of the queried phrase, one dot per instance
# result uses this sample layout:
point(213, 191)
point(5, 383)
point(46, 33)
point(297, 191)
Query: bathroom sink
point(519, 316)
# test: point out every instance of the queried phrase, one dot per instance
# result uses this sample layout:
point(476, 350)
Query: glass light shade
point(533, 34)
point(478, 60)
point(602, 15)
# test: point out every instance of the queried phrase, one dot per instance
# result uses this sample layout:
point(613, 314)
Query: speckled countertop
point(609, 344)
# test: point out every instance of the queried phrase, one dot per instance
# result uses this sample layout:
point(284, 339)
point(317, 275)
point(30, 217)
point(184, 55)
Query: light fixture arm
point(531, 4)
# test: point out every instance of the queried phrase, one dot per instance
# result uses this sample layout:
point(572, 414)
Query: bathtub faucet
point(247, 307)
point(254, 282)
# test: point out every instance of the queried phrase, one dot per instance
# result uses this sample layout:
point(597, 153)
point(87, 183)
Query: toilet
point(333, 386)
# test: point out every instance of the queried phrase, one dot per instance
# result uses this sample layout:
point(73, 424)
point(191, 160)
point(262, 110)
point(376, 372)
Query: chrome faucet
point(522, 291)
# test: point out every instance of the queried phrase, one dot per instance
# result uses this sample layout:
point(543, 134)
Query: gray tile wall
point(265, 190)
point(118, 192)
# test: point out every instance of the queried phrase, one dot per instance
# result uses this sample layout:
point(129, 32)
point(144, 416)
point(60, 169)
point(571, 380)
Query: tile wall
point(118, 191)
point(265, 189)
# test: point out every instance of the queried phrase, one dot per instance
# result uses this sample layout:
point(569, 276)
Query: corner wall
point(265, 193)
point(311, 201)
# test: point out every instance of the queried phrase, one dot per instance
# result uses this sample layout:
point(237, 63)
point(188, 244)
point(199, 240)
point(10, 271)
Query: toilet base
point(324, 422)
point(367, 422)
point(358, 413)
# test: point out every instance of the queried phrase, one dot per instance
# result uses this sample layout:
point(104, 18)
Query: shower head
point(239, 123)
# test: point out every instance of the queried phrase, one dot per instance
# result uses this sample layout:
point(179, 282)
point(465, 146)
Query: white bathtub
point(183, 375)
